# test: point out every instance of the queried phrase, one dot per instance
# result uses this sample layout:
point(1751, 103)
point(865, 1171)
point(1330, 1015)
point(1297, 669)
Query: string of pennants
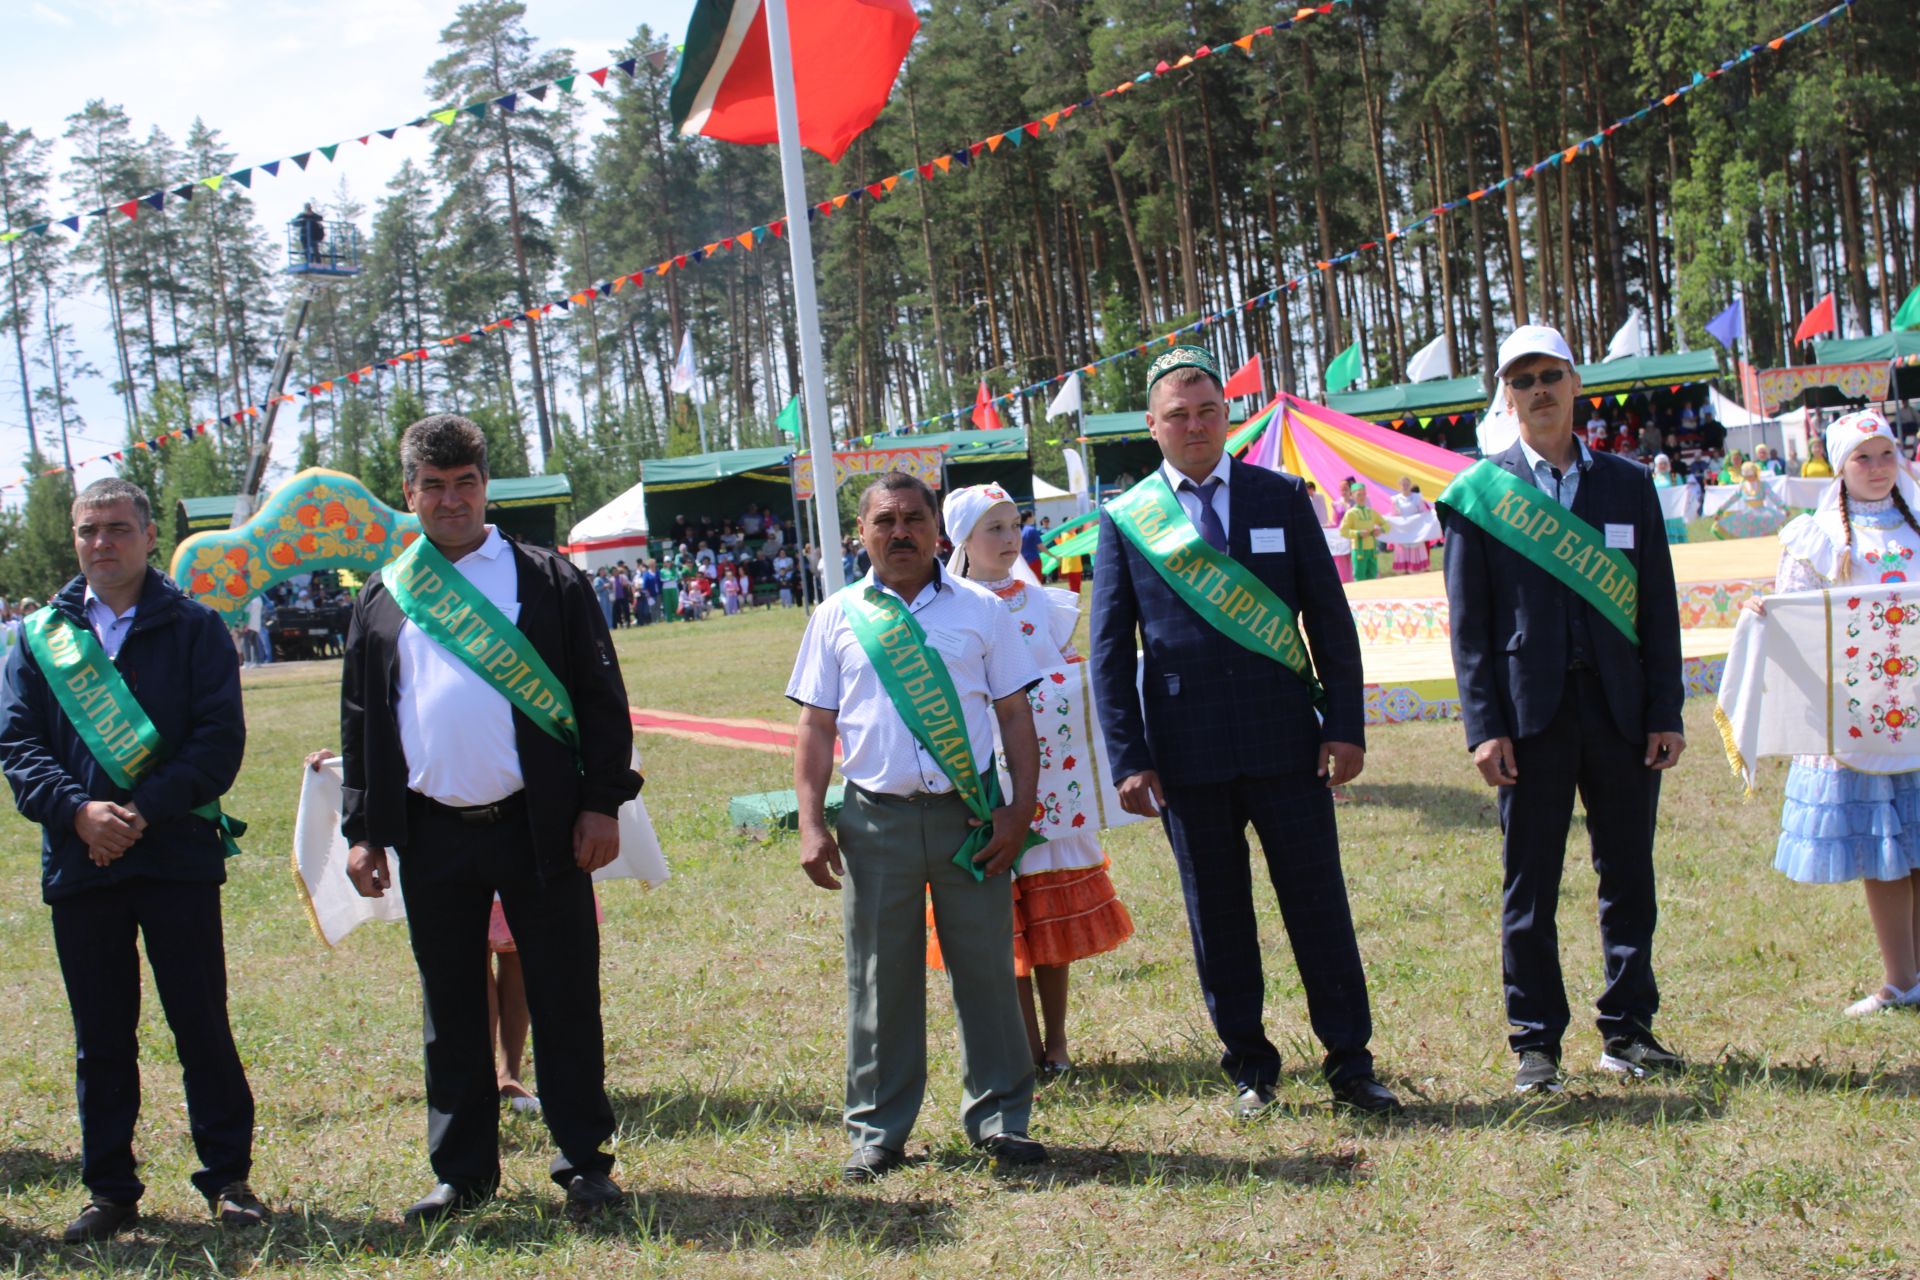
point(1566, 155)
point(963, 157)
point(513, 100)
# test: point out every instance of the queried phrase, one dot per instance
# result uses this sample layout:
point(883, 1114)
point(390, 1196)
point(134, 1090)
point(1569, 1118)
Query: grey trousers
point(895, 848)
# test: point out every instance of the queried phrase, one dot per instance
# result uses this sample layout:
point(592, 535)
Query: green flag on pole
point(1908, 316)
point(789, 419)
point(1345, 369)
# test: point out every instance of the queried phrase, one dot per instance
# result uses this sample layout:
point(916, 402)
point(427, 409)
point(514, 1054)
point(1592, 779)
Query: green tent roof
point(207, 513)
point(529, 491)
point(1881, 346)
point(1444, 395)
point(663, 474)
point(961, 446)
point(1650, 371)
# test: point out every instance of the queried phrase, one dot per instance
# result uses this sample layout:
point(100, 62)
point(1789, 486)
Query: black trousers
point(449, 874)
point(1580, 749)
point(96, 937)
point(1293, 816)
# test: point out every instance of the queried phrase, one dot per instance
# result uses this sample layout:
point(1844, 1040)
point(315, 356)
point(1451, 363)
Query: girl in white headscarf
point(1858, 818)
point(1664, 478)
point(1064, 906)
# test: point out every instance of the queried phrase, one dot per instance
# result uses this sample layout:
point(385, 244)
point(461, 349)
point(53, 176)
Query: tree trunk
point(1148, 313)
point(1516, 265)
point(1386, 218)
point(1484, 289)
point(1333, 339)
point(1437, 166)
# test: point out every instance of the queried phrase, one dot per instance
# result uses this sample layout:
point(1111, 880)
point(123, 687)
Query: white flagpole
point(793, 177)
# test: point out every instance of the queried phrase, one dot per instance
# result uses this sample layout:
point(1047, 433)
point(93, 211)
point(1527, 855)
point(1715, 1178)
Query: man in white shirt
point(900, 826)
point(481, 800)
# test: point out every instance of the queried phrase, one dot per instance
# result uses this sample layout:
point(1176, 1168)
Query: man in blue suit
point(1557, 695)
point(1222, 733)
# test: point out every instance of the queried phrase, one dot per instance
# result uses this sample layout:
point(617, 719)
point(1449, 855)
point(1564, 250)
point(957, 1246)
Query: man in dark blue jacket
point(1229, 736)
point(119, 864)
point(1556, 697)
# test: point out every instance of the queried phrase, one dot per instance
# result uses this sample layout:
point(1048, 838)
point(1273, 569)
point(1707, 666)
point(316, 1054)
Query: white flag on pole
point(1631, 340)
point(686, 378)
point(1068, 400)
point(1430, 362)
point(1076, 471)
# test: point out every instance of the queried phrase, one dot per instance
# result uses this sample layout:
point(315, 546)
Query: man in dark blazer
point(1556, 698)
point(1218, 736)
point(478, 800)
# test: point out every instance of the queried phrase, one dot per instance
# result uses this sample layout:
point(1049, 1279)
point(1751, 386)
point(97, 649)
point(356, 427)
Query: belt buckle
point(481, 816)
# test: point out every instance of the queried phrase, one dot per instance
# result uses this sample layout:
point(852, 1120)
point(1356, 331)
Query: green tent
point(1412, 399)
point(1881, 346)
point(1119, 444)
point(719, 485)
point(1651, 372)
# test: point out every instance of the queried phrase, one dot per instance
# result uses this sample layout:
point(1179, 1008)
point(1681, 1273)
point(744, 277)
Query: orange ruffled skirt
point(1058, 917)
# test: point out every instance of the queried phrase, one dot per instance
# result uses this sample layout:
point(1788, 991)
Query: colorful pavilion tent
point(717, 485)
point(1326, 446)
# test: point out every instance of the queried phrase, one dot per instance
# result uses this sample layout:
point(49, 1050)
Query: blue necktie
point(1210, 527)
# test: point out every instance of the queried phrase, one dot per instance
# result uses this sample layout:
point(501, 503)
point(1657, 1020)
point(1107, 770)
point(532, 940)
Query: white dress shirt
point(109, 627)
point(977, 639)
point(455, 728)
point(1190, 501)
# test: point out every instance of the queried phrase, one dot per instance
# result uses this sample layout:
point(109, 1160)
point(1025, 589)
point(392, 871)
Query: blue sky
point(274, 77)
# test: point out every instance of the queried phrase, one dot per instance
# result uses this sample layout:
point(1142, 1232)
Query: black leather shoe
point(100, 1220)
point(1253, 1102)
point(236, 1206)
point(1010, 1149)
point(1639, 1056)
point(592, 1193)
point(869, 1164)
point(443, 1202)
point(1367, 1096)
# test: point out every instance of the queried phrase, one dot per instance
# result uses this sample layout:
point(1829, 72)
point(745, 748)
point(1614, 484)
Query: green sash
point(1226, 594)
point(916, 679)
point(104, 712)
point(454, 614)
point(1522, 516)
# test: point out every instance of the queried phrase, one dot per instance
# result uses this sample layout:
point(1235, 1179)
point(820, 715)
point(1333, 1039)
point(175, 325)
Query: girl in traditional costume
point(1858, 817)
point(1754, 511)
point(1411, 557)
point(1362, 526)
point(1064, 906)
point(1663, 478)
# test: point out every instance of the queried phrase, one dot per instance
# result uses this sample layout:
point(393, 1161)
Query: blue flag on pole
point(1730, 325)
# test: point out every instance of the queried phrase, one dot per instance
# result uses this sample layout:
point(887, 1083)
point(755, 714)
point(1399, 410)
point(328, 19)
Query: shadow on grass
point(1185, 1076)
point(517, 1226)
point(1901, 1081)
point(22, 1168)
point(1458, 807)
point(719, 1112)
point(1338, 1165)
point(1574, 1109)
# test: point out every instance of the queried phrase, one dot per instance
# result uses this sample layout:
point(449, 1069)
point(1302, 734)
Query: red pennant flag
point(985, 416)
point(1818, 321)
point(1247, 380)
point(846, 55)
point(131, 208)
point(599, 77)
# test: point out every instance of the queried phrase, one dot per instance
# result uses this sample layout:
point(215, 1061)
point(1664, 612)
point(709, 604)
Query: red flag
point(1819, 320)
point(1247, 380)
point(985, 416)
point(846, 55)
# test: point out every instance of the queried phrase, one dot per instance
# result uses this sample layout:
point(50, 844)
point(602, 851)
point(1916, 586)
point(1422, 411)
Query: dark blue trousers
point(1582, 750)
point(1293, 817)
point(449, 874)
point(96, 936)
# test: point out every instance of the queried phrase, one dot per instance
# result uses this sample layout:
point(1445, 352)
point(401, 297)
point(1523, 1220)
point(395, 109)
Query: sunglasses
point(1526, 380)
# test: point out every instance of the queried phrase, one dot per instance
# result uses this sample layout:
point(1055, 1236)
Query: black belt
point(479, 815)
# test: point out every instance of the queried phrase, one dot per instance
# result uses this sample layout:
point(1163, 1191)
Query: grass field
point(1790, 1150)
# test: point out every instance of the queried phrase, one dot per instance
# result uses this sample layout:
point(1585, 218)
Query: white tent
point(1053, 502)
point(1729, 410)
point(616, 532)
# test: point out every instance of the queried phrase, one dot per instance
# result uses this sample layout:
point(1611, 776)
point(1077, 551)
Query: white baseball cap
point(1532, 340)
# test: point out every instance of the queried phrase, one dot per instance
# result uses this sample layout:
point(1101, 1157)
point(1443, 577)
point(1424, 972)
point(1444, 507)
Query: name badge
point(1621, 536)
point(1267, 540)
point(950, 643)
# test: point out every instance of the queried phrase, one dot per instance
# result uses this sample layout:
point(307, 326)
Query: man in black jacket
point(118, 864)
point(479, 799)
point(1556, 697)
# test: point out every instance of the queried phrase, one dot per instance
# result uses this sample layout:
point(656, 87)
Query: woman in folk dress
point(1064, 906)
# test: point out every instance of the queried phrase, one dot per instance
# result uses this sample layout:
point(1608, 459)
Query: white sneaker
point(1882, 1000)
